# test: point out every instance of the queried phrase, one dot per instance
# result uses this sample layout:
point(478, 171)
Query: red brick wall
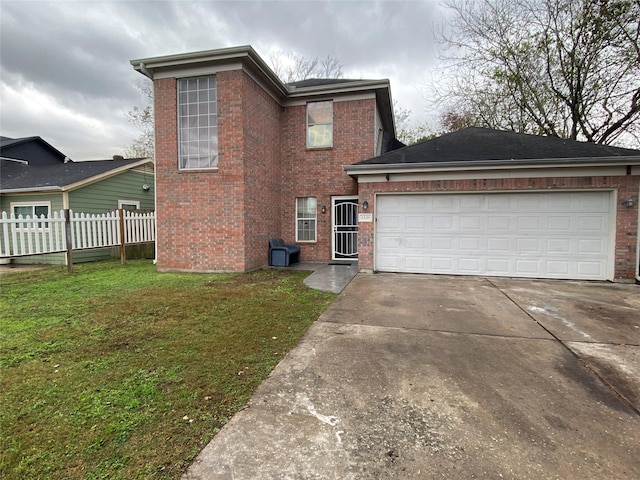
point(318, 172)
point(200, 212)
point(626, 218)
point(222, 220)
point(262, 198)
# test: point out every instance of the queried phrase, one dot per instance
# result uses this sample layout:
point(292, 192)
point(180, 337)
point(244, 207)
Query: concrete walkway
point(418, 377)
point(328, 277)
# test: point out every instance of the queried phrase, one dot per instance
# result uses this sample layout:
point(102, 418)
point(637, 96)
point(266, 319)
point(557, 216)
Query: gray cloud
point(65, 65)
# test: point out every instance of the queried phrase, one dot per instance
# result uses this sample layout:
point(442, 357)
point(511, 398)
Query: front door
point(344, 218)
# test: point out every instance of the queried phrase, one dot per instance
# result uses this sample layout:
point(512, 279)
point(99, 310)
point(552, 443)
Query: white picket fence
point(65, 231)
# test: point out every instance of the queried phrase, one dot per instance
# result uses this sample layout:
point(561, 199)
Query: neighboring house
point(84, 187)
point(242, 158)
point(32, 149)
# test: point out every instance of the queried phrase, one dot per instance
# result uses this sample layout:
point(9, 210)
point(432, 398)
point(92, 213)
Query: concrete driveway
point(415, 376)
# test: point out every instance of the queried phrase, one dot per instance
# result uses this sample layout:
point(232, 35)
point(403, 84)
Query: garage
point(562, 235)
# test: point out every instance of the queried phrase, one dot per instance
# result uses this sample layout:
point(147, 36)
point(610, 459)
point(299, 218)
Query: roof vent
point(118, 157)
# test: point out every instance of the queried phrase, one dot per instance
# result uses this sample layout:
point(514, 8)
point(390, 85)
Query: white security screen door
point(345, 228)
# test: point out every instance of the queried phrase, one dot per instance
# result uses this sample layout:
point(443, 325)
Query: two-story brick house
point(242, 158)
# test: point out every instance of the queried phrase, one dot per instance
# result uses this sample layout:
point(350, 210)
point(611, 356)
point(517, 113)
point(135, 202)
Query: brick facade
point(318, 172)
point(221, 220)
point(626, 218)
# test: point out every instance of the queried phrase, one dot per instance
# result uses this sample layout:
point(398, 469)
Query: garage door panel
point(558, 245)
point(590, 247)
point(545, 235)
point(592, 223)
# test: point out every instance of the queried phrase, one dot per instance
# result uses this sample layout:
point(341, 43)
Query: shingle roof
point(16, 175)
point(484, 144)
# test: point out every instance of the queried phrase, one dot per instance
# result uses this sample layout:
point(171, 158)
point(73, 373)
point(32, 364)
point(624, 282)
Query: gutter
point(32, 190)
point(466, 165)
point(17, 160)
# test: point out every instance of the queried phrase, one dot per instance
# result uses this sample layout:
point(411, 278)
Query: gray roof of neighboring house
point(18, 176)
point(484, 145)
point(7, 145)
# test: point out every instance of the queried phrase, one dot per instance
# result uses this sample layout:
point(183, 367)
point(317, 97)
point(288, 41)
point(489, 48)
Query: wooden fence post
point(69, 238)
point(123, 248)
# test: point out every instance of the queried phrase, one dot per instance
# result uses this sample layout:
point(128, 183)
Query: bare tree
point(568, 68)
point(291, 67)
point(142, 119)
point(407, 132)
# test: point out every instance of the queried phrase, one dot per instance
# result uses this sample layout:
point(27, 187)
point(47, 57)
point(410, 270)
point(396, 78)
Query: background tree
point(568, 68)
point(142, 119)
point(291, 67)
point(407, 132)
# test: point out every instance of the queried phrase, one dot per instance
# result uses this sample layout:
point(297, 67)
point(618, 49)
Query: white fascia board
point(34, 190)
point(551, 163)
point(616, 171)
point(338, 98)
point(197, 70)
point(210, 62)
point(337, 88)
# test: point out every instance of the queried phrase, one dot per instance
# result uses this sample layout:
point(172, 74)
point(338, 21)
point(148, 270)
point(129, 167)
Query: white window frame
point(306, 217)
point(122, 203)
point(197, 116)
point(33, 206)
point(311, 124)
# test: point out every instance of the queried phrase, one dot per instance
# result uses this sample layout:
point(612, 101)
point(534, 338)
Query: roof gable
point(31, 149)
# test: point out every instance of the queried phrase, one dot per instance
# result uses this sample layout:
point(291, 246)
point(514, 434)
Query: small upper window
point(129, 204)
point(320, 124)
point(197, 123)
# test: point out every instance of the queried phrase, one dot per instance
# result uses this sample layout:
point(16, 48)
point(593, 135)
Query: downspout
point(147, 73)
point(144, 71)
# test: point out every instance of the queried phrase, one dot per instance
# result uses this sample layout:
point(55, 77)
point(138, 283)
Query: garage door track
point(415, 376)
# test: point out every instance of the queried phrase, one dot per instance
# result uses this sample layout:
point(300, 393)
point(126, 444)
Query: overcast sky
point(65, 74)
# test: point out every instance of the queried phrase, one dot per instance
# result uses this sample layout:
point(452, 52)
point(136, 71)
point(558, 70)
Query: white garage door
point(539, 235)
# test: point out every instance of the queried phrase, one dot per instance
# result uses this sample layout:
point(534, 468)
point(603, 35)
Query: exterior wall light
point(365, 205)
point(146, 187)
point(323, 209)
point(628, 202)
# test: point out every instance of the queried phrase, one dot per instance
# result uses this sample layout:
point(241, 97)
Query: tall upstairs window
point(320, 124)
point(197, 123)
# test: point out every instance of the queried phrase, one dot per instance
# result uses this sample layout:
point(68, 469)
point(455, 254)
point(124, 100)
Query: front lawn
point(121, 372)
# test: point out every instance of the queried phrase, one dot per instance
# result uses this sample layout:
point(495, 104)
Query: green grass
point(121, 372)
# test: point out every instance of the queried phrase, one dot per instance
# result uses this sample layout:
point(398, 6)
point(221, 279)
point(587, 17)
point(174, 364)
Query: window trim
point(214, 164)
point(308, 219)
point(308, 125)
point(129, 202)
point(12, 205)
